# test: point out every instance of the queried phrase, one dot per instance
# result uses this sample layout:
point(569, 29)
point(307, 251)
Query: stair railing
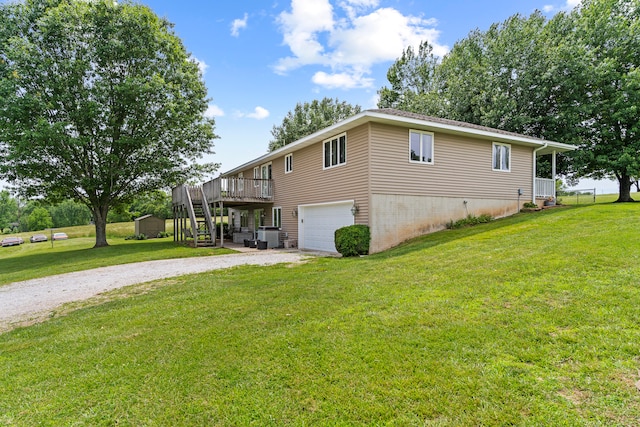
point(192, 216)
point(207, 217)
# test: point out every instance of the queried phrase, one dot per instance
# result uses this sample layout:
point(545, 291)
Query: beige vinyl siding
point(462, 167)
point(310, 183)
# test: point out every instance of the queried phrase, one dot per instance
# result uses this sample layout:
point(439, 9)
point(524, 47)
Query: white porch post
point(535, 162)
point(553, 172)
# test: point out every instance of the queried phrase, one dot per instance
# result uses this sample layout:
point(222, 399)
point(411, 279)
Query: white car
point(12, 241)
point(38, 238)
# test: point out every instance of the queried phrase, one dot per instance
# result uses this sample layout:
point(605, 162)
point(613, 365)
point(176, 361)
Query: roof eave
point(379, 117)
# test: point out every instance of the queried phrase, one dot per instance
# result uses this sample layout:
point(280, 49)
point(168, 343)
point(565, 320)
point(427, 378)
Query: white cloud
point(300, 30)
point(213, 111)
point(349, 43)
point(353, 7)
point(201, 64)
point(239, 24)
point(259, 113)
point(569, 5)
point(341, 80)
point(572, 4)
point(363, 3)
point(382, 36)
point(373, 101)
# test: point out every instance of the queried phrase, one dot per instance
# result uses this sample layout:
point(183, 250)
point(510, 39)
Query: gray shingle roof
point(406, 114)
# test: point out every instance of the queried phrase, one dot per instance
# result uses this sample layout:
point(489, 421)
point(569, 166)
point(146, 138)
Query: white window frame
point(338, 149)
point(498, 149)
point(276, 216)
point(421, 155)
point(288, 163)
point(256, 176)
point(266, 174)
point(241, 182)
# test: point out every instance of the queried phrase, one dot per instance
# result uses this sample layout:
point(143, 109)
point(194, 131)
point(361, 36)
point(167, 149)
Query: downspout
point(535, 161)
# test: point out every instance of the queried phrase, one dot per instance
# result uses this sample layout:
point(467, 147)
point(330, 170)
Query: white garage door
point(319, 222)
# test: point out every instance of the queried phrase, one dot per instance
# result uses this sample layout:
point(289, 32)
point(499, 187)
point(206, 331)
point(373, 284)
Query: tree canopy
point(99, 102)
point(573, 78)
point(8, 210)
point(308, 118)
point(607, 64)
point(415, 83)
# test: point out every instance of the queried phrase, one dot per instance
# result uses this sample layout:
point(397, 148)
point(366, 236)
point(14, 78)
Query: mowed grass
point(34, 260)
point(527, 321)
point(586, 199)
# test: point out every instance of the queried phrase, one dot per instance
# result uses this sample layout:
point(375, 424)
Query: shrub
point(163, 234)
point(530, 205)
point(140, 236)
point(353, 240)
point(469, 221)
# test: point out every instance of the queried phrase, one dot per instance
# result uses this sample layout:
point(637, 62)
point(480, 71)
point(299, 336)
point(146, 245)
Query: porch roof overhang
point(414, 121)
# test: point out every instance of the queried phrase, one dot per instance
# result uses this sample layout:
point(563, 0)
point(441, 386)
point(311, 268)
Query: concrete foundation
point(396, 218)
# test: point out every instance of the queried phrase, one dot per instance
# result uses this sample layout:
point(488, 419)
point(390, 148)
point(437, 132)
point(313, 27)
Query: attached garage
point(318, 223)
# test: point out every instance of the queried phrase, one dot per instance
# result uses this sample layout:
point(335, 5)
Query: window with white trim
point(288, 163)
point(421, 147)
point(276, 217)
point(335, 151)
point(244, 218)
point(501, 157)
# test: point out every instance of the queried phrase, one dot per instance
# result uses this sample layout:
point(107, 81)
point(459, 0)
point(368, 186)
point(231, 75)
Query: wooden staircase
point(202, 227)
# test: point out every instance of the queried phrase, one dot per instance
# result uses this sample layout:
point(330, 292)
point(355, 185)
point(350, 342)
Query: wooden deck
point(227, 190)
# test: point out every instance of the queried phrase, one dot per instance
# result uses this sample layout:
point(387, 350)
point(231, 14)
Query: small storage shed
point(149, 225)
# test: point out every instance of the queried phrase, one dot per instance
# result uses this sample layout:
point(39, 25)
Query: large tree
point(416, 84)
point(573, 78)
point(607, 36)
point(99, 102)
point(308, 118)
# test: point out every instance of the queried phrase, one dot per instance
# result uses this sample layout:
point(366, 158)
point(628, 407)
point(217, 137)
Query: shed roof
point(147, 216)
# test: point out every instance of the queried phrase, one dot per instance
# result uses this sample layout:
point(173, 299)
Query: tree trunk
point(100, 221)
point(625, 189)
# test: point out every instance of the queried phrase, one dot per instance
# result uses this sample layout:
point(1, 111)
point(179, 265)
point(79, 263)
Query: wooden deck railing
point(185, 194)
point(239, 189)
point(226, 189)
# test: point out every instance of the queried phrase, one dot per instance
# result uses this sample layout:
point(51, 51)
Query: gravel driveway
point(32, 300)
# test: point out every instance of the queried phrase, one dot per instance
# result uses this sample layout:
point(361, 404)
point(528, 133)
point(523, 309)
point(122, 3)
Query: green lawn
point(586, 199)
point(527, 321)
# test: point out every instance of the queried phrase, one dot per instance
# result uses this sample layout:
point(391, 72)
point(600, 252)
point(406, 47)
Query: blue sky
point(261, 58)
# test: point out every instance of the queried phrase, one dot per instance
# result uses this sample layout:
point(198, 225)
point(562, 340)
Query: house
point(400, 173)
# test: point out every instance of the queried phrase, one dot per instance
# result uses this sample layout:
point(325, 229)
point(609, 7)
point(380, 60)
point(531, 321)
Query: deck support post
point(174, 211)
point(221, 224)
